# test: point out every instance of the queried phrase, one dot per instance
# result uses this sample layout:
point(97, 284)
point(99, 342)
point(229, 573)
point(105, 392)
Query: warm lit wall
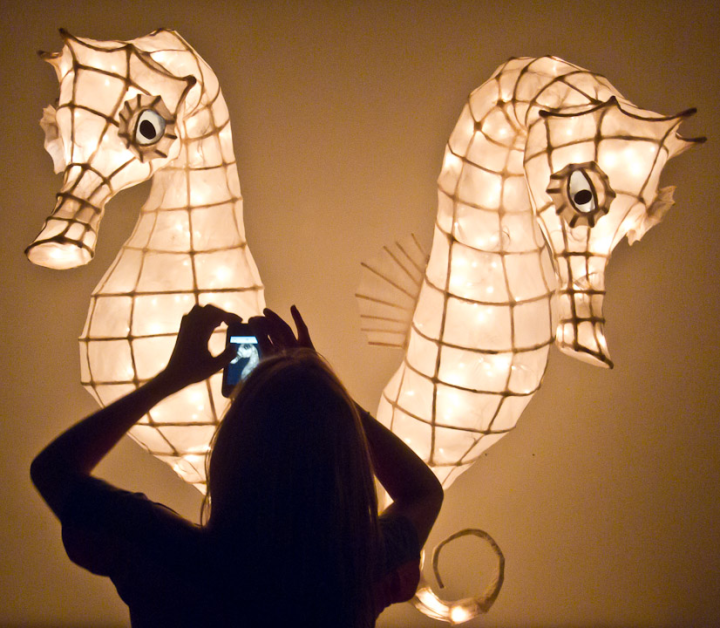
point(604, 499)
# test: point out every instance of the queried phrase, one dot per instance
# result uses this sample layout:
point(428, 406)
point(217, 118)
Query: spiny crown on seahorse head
point(546, 170)
point(129, 111)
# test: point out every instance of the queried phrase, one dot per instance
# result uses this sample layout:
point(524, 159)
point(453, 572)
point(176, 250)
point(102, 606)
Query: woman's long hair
point(293, 508)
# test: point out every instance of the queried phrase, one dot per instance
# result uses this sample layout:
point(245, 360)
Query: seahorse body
point(546, 170)
point(129, 111)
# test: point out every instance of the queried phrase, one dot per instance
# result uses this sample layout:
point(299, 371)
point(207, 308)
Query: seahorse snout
point(56, 251)
point(69, 234)
point(581, 329)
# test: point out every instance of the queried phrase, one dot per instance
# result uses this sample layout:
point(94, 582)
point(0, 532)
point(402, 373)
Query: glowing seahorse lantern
point(546, 170)
point(129, 111)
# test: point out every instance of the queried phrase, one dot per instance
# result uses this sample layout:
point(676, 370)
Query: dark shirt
point(159, 561)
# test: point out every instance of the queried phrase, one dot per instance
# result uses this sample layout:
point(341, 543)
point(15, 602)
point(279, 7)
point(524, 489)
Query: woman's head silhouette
point(291, 490)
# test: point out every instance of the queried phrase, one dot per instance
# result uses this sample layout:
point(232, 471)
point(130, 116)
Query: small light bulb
point(459, 615)
point(222, 273)
point(610, 159)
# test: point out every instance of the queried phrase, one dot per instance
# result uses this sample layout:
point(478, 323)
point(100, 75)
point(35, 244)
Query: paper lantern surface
point(129, 111)
point(547, 169)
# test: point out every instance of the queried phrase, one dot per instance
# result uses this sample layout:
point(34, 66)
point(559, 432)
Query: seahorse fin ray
point(389, 287)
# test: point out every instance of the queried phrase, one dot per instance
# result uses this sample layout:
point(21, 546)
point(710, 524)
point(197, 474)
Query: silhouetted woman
point(293, 537)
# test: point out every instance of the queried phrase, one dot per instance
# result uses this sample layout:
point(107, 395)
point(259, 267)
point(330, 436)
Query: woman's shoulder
point(102, 522)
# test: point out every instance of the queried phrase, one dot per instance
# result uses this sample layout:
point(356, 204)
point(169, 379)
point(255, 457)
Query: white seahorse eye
point(581, 192)
point(149, 128)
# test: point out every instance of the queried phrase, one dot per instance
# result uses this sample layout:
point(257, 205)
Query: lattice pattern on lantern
point(129, 111)
point(546, 170)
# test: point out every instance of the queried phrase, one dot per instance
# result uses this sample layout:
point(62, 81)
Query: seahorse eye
point(150, 127)
point(581, 192)
point(148, 130)
point(582, 197)
point(147, 127)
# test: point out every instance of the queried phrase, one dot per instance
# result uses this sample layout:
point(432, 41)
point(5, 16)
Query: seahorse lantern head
point(547, 168)
point(593, 175)
point(117, 121)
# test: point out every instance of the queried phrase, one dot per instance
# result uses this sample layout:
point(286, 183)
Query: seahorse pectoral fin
point(388, 291)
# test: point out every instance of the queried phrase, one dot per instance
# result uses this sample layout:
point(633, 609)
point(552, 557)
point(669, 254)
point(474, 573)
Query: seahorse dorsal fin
point(389, 287)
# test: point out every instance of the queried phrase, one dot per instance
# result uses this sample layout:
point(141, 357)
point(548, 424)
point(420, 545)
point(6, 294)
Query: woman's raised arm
point(77, 451)
point(416, 493)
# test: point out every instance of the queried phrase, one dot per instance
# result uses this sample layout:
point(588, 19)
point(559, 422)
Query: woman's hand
point(191, 360)
point(275, 335)
point(77, 451)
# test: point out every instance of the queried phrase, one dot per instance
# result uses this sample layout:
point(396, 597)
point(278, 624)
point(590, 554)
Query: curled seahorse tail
point(462, 610)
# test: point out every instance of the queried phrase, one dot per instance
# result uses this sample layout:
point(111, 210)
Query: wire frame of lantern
point(547, 169)
point(128, 111)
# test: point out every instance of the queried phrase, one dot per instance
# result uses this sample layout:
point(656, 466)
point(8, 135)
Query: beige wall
point(605, 497)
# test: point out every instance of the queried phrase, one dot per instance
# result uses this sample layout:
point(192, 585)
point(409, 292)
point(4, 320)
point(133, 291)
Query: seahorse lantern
point(546, 170)
point(129, 111)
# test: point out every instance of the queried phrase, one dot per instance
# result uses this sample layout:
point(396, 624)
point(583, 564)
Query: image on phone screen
point(246, 360)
